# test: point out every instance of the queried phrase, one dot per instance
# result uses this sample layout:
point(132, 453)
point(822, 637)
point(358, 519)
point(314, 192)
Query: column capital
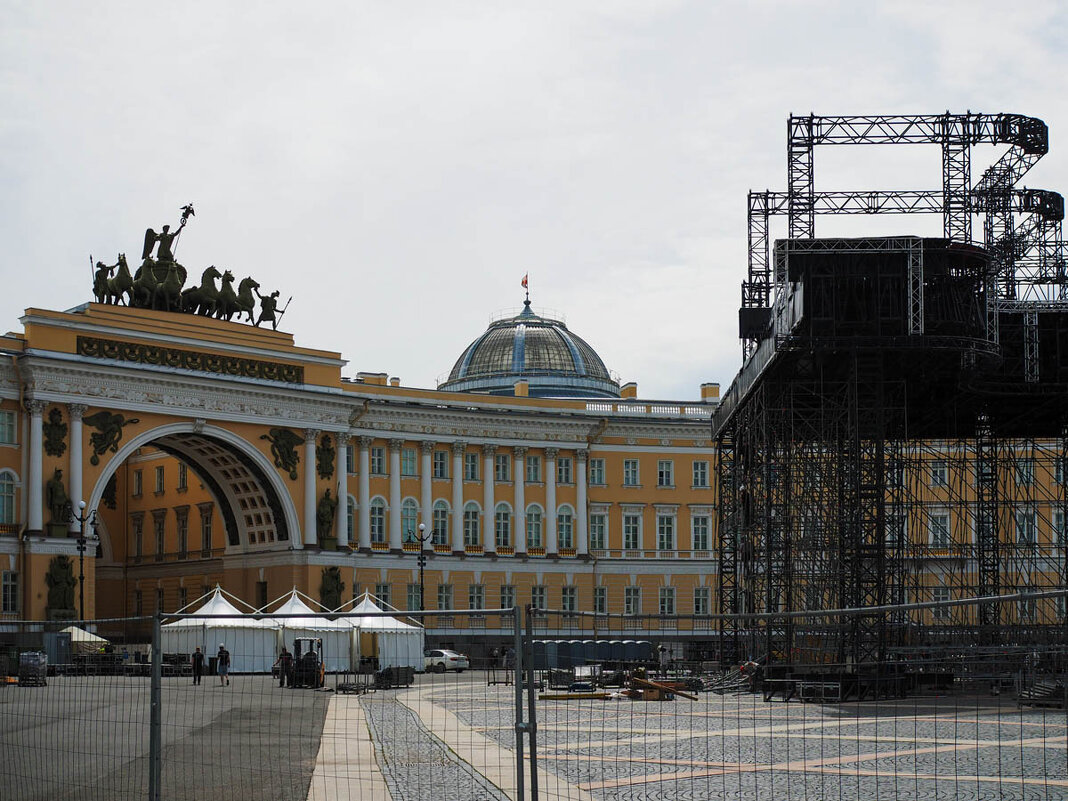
point(35, 407)
point(365, 442)
point(489, 450)
point(582, 455)
point(520, 451)
point(311, 433)
point(342, 439)
point(77, 410)
point(459, 446)
point(427, 446)
point(395, 445)
point(551, 453)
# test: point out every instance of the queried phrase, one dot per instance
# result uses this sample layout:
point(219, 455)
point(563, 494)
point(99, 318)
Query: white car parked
point(439, 660)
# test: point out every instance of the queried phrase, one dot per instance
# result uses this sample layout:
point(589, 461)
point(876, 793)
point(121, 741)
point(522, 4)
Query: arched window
point(502, 525)
point(351, 507)
point(409, 519)
point(565, 527)
point(471, 530)
point(441, 523)
point(8, 482)
point(378, 520)
point(534, 527)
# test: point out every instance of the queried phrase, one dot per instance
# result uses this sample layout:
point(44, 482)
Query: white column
point(551, 547)
point(489, 534)
point(75, 469)
point(519, 521)
point(341, 518)
point(426, 495)
point(458, 496)
point(34, 517)
point(364, 497)
point(310, 500)
point(396, 536)
point(581, 516)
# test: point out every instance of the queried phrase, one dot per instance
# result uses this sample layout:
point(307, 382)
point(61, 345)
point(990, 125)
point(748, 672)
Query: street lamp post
point(423, 537)
point(81, 519)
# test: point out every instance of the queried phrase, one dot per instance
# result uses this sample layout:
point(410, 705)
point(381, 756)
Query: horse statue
point(145, 284)
point(121, 286)
point(226, 302)
point(169, 290)
point(202, 299)
point(246, 302)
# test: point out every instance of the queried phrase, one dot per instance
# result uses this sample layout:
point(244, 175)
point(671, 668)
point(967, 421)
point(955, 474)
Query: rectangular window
point(408, 462)
point(9, 591)
point(471, 529)
point(1025, 472)
point(631, 476)
point(205, 532)
point(702, 601)
point(183, 535)
point(665, 473)
point(569, 599)
point(939, 474)
point(414, 601)
point(441, 526)
point(1025, 608)
point(895, 529)
point(565, 532)
point(1061, 605)
point(382, 593)
point(632, 532)
point(137, 528)
point(632, 600)
point(940, 595)
point(598, 532)
point(1058, 469)
point(7, 428)
point(895, 474)
point(539, 596)
point(444, 596)
point(1026, 527)
point(596, 469)
point(564, 474)
point(502, 467)
point(700, 475)
point(533, 469)
point(441, 464)
point(159, 599)
point(378, 522)
point(600, 600)
point(183, 598)
point(476, 596)
point(470, 467)
point(939, 529)
point(507, 596)
point(534, 527)
point(378, 461)
point(1058, 535)
point(502, 527)
point(700, 526)
point(665, 533)
point(183, 476)
point(667, 600)
point(138, 603)
point(159, 480)
point(138, 484)
point(350, 460)
point(159, 527)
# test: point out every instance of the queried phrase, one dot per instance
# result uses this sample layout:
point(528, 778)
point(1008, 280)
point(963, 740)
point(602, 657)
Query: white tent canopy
point(395, 643)
point(83, 641)
point(251, 642)
point(335, 634)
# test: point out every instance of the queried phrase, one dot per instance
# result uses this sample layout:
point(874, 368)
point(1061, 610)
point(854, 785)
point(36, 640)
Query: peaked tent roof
point(223, 614)
point(295, 606)
point(81, 635)
point(378, 624)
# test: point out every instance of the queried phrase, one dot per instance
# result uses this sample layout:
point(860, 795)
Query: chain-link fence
point(610, 706)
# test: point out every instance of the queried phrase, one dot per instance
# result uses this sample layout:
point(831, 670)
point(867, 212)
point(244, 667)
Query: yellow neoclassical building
point(214, 453)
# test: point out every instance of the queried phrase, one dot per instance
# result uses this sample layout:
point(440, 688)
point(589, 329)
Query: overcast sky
point(398, 167)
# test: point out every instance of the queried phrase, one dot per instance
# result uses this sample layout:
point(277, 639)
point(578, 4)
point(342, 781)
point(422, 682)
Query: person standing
point(198, 665)
point(224, 665)
point(285, 665)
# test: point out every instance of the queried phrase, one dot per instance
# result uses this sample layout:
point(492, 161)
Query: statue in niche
point(57, 500)
point(324, 516)
point(284, 449)
point(331, 587)
point(324, 457)
point(55, 431)
point(61, 582)
point(108, 432)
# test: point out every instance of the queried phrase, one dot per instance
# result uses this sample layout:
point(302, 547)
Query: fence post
point(532, 717)
point(520, 726)
point(155, 719)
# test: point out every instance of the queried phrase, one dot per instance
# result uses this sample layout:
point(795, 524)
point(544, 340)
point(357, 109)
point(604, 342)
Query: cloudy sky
point(397, 168)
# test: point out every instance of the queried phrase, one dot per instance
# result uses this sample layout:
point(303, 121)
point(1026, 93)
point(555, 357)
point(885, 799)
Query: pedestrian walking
point(509, 665)
point(224, 665)
point(198, 665)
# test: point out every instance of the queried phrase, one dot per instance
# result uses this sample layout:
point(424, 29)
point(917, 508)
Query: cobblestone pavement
point(416, 764)
point(730, 747)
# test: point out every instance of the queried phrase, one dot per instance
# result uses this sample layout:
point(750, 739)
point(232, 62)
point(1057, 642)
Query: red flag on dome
point(524, 282)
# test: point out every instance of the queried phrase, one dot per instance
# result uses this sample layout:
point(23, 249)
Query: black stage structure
point(899, 427)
